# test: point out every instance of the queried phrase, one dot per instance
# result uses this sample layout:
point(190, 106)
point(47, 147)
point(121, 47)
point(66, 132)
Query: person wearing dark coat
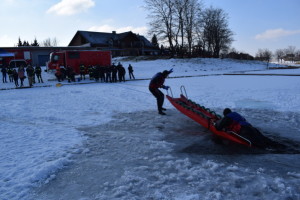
point(70, 74)
point(63, 72)
point(157, 82)
point(102, 74)
point(4, 73)
point(108, 74)
point(235, 122)
point(30, 74)
point(130, 71)
point(38, 73)
point(114, 72)
point(10, 74)
point(97, 73)
point(121, 72)
point(16, 77)
point(91, 72)
point(82, 71)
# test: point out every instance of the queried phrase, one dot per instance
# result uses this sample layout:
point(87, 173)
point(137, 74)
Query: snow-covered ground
point(106, 140)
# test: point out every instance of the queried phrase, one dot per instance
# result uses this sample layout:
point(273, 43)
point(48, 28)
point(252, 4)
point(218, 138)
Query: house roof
point(102, 38)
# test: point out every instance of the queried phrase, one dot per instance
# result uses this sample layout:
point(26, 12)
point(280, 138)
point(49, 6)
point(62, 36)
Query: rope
point(131, 89)
point(137, 85)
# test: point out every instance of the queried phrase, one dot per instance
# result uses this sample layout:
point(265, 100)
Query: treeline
point(288, 54)
point(45, 43)
point(188, 28)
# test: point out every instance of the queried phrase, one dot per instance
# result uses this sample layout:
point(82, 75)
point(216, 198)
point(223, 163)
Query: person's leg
point(256, 138)
point(159, 99)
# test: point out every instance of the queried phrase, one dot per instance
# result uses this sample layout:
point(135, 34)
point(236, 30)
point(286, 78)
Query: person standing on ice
point(16, 77)
point(21, 74)
point(235, 122)
point(30, 74)
point(4, 72)
point(130, 71)
point(38, 73)
point(157, 82)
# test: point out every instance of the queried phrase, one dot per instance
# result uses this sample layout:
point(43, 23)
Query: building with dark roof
point(120, 44)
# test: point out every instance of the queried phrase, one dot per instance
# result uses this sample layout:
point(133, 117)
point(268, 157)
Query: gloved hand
point(166, 87)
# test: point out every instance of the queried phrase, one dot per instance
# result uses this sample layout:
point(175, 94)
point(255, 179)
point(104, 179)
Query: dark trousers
point(16, 82)
point(159, 97)
point(4, 78)
point(254, 135)
point(131, 75)
point(39, 76)
point(108, 78)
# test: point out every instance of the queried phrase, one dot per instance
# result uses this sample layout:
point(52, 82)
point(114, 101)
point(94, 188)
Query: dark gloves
point(165, 87)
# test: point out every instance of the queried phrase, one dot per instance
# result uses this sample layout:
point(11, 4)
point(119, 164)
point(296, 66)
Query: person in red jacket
point(157, 82)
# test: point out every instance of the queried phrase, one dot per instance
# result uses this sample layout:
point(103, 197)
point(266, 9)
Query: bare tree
point(279, 54)
point(162, 20)
point(182, 25)
point(216, 33)
point(50, 42)
point(264, 55)
point(290, 50)
point(179, 6)
point(297, 55)
point(192, 13)
point(290, 53)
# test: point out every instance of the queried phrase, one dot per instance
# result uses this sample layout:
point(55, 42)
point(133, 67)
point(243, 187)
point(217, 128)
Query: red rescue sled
point(205, 117)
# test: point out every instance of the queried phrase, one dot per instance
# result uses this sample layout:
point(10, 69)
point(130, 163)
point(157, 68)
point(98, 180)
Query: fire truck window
point(56, 58)
point(74, 55)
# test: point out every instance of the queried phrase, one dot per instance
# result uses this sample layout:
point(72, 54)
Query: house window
point(111, 42)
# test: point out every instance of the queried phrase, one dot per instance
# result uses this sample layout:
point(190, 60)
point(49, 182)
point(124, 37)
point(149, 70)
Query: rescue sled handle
point(183, 88)
point(234, 133)
point(170, 92)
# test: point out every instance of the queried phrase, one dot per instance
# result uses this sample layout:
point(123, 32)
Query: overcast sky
point(257, 24)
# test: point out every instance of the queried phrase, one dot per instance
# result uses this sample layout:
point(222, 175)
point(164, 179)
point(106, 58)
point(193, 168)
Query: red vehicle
point(74, 59)
point(16, 57)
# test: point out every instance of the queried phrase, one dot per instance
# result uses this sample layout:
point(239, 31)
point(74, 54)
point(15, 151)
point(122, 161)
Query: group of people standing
point(104, 74)
point(63, 73)
point(108, 74)
point(15, 75)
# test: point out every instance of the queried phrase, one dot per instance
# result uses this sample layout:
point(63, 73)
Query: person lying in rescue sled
point(235, 122)
point(158, 82)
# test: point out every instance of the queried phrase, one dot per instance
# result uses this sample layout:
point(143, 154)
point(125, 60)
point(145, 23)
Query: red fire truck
point(75, 58)
point(15, 57)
